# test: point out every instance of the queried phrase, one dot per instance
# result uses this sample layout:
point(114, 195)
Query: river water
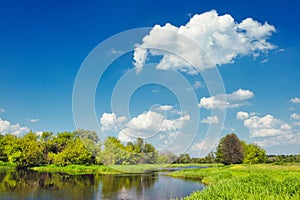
point(44, 186)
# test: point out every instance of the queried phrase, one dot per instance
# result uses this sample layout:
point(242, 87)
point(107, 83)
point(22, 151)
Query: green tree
point(90, 140)
point(253, 154)
point(25, 151)
point(113, 152)
point(184, 158)
point(230, 150)
point(74, 153)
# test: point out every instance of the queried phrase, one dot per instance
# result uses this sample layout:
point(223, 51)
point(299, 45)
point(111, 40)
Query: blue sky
point(43, 44)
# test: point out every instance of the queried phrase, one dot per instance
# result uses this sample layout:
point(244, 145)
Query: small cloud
point(197, 85)
point(266, 126)
point(210, 120)
point(295, 100)
point(34, 120)
point(114, 51)
point(295, 116)
point(242, 115)
point(165, 107)
point(223, 101)
point(2, 110)
point(228, 129)
point(154, 91)
point(265, 60)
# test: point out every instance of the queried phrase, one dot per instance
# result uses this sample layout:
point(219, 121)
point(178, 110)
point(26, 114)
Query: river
point(29, 185)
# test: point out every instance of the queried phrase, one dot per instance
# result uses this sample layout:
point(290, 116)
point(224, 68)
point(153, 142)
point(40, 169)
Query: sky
point(200, 70)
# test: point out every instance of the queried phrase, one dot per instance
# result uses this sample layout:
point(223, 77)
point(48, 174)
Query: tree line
point(84, 147)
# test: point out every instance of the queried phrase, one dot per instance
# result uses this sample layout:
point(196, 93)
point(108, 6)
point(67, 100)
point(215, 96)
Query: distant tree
point(230, 150)
point(113, 152)
point(253, 154)
point(184, 158)
point(167, 157)
point(90, 140)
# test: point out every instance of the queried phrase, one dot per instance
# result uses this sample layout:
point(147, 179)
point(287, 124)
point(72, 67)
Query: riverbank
point(115, 169)
point(261, 181)
point(109, 169)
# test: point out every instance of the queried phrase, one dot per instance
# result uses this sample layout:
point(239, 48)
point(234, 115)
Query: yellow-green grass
point(261, 181)
point(112, 169)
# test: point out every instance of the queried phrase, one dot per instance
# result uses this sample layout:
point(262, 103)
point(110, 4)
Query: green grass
point(77, 169)
point(262, 181)
point(111, 169)
point(4, 166)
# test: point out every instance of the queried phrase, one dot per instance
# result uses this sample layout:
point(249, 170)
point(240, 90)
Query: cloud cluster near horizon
point(145, 125)
point(15, 129)
point(220, 39)
point(272, 130)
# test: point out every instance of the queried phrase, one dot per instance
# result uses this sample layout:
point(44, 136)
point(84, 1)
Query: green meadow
point(260, 181)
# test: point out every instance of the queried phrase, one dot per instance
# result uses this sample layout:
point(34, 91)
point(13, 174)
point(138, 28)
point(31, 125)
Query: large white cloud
point(144, 125)
point(219, 37)
point(266, 126)
point(151, 123)
point(15, 129)
point(109, 121)
point(223, 101)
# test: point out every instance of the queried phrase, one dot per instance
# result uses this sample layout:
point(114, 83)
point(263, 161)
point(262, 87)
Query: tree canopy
point(230, 150)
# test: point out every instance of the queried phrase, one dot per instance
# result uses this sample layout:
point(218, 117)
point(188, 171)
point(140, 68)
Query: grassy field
point(262, 181)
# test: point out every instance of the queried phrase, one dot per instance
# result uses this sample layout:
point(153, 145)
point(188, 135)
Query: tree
point(184, 158)
point(113, 152)
point(253, 154)
point(230, 150)
point(74, 153)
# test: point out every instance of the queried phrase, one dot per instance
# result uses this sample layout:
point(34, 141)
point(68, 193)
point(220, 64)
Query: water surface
point(44, 186)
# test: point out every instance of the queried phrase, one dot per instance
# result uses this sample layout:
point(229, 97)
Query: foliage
point(230, 150)
point(61, 149)
point(115, 152)
point(253, 154)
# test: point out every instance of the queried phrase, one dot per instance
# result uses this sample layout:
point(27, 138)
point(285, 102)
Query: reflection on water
point(37, 185)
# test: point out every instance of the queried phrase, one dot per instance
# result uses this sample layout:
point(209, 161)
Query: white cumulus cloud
point(295, 116)
point(295, 100)
point(15, 129)
point(110, 122)
point(279, 140)
point(144, 125)
point(165, 107)
point(223, 101)
point(266, 126)
point(210, 120)
point(242, 115)
point(220, 39)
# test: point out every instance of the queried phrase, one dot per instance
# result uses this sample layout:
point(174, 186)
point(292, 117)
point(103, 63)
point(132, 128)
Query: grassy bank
point(112, 169)
point(4, 166)
point(263, 181)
